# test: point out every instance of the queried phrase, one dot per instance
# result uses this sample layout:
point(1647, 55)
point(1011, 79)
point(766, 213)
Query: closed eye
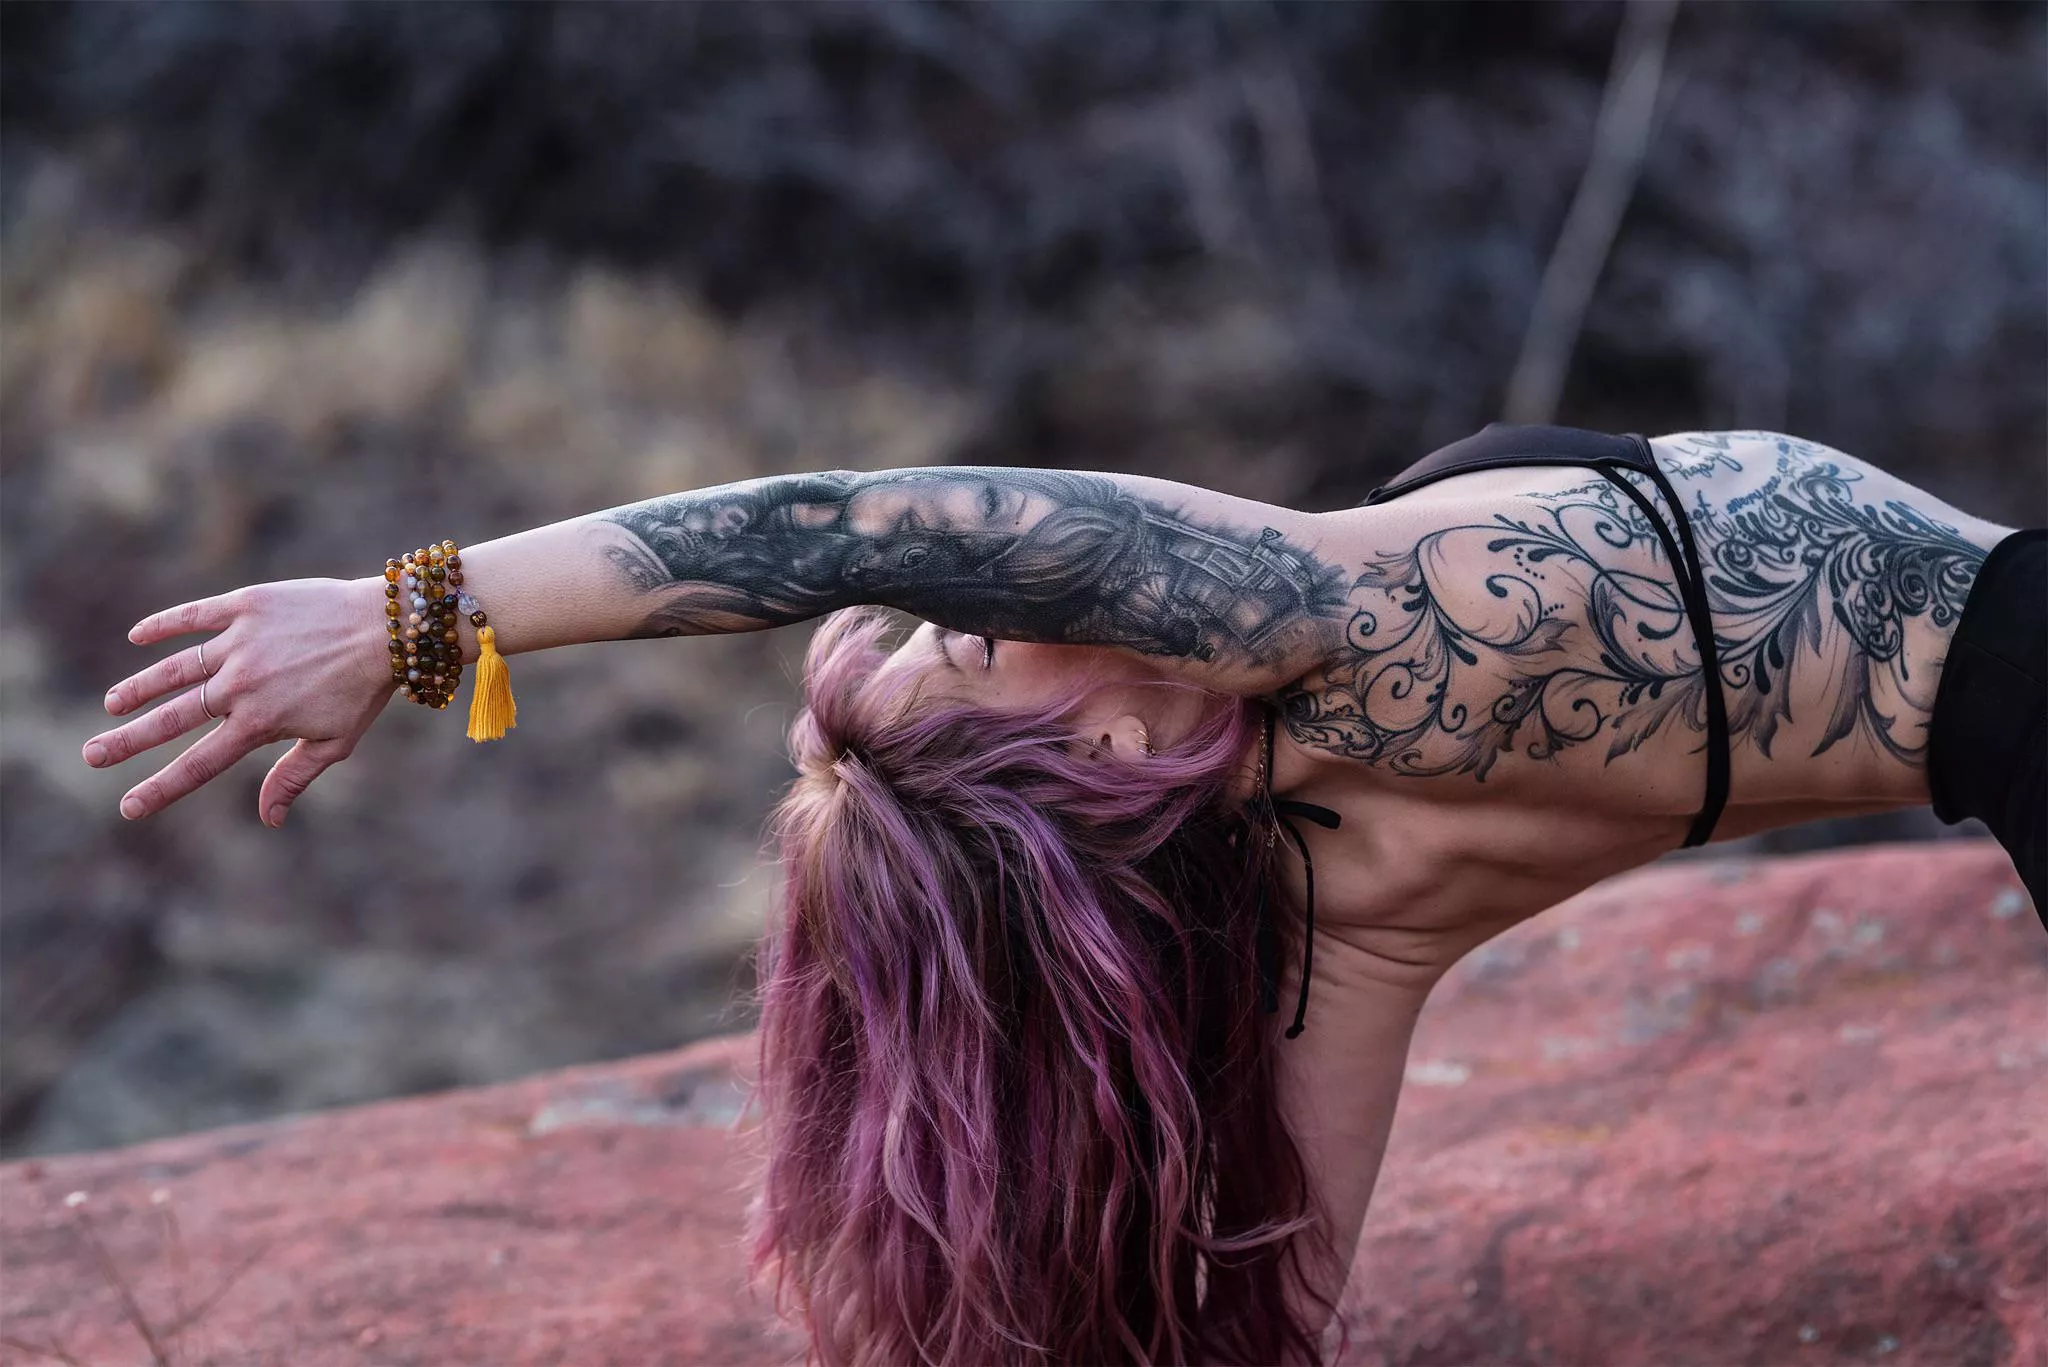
point(988, 651)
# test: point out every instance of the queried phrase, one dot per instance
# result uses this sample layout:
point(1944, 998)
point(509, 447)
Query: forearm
point(1338, 1092)
point(1166, 570)
point(595, 577)
point(549, 586)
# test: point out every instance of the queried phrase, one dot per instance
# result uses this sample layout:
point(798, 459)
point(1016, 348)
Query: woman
point(1023, 1100)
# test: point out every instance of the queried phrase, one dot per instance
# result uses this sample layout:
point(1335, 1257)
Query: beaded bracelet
point(423, 592)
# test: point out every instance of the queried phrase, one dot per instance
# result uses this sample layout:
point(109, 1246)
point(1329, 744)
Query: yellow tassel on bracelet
point(423, 600)
point(491, 710)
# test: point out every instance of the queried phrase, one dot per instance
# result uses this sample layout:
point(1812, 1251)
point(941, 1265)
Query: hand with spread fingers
point(300, 659)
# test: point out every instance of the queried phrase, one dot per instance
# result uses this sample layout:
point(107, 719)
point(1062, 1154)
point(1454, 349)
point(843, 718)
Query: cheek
point(1032, 675)
point(1023, 688)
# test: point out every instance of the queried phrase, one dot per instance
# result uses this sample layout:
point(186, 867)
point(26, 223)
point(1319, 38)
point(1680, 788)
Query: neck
point(1252, 775)
point(1291, 769)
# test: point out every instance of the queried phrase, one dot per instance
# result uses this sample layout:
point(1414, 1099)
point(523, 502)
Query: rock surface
point(1780, 1111)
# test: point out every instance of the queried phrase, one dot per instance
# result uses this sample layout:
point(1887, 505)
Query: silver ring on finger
point(210, 713)
point(202, 661)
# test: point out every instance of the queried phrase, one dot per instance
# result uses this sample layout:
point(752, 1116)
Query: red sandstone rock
point(591, 1216)
point(1780, 1111)
point(1773, 1112)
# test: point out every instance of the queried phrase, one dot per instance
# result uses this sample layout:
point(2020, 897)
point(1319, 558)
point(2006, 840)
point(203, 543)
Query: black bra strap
point(1684, 556)
point(1277, 811)
point(1719, 762)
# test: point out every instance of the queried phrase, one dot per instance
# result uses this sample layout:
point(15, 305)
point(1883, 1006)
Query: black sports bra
point(1501, 446)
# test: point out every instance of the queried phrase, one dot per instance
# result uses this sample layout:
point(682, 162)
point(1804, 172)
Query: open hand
point(300, 659)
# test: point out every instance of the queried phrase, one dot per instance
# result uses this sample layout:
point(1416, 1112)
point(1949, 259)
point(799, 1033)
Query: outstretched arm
point(1226, 591)
point(1237, 595)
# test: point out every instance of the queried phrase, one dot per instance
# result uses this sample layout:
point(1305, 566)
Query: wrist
point(423, 606)
point(365, 634)
point(366, 631)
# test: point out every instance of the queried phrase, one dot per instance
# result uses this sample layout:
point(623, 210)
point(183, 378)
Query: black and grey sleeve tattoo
point(1559, 624)
point(1030, 555)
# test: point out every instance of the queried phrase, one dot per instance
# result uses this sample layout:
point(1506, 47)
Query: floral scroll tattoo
point(1800, 559)
point(1563, 626)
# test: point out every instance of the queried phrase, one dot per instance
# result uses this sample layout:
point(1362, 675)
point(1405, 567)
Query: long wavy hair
point(1018, 1103)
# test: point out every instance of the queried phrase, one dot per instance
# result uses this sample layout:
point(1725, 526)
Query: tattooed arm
point(1233, 593)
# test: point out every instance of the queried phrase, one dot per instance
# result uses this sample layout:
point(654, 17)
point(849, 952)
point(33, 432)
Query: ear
point(1125, 735)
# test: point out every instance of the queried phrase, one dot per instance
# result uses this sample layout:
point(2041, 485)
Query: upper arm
point(1228, 592)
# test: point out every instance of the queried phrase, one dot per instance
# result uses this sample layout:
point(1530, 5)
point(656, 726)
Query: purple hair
point(1018, 1103)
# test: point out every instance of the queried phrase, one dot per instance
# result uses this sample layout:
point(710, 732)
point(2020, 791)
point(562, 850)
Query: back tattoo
point(1560, 624)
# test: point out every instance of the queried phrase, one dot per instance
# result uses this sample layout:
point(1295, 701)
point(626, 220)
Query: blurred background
point(286, 288)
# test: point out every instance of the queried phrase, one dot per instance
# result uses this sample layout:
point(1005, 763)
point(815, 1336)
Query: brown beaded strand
point(413, 602)
point(420, 606)
point(392, 571)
